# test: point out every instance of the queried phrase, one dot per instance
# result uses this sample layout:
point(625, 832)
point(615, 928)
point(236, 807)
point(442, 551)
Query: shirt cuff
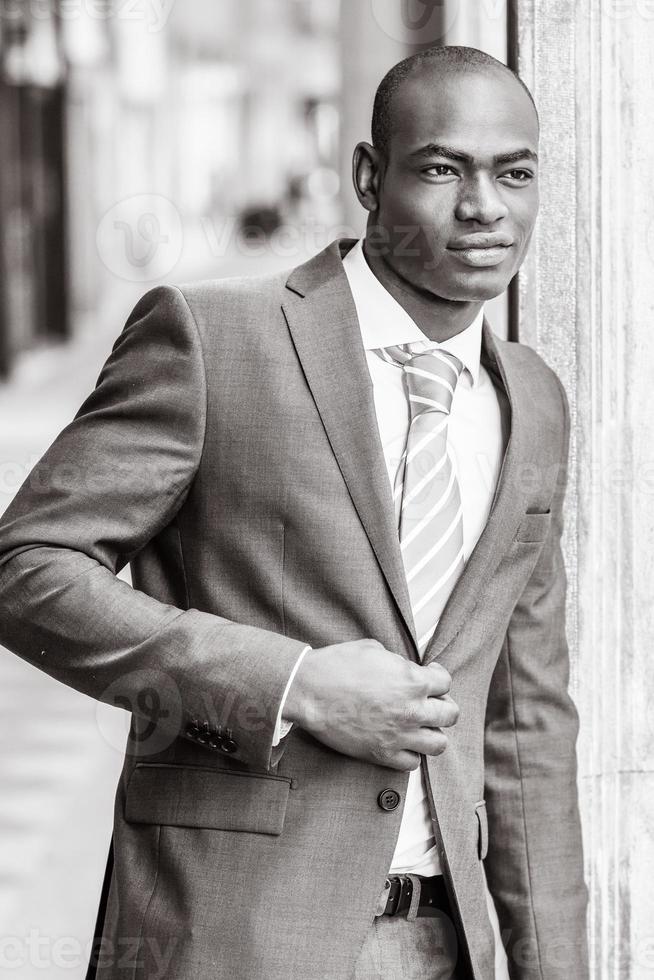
point(282, 728)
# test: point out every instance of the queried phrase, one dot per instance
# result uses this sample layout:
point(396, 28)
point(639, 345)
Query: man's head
point(450, 179)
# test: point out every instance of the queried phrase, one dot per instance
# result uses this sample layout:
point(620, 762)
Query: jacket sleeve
point(534, 864)
point(111, 480)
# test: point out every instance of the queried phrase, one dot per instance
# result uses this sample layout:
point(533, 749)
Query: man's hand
point(364, 701)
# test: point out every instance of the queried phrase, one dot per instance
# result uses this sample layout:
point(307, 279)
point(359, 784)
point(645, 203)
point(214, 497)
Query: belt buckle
point(383, 899)
point(396, 888)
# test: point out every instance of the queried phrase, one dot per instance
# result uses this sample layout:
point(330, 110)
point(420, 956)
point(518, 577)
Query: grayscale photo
point(326, 482)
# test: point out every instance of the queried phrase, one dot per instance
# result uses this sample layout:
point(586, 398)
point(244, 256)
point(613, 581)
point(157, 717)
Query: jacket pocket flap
point(215, 799)
point(534, 527)
point(482, 817)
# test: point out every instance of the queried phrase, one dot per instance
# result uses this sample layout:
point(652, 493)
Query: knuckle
point(411, 714)
point(441, 677)
point(420, 681)
point(379, 754)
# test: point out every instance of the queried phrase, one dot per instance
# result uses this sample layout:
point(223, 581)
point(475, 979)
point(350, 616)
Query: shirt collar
point(384, 323)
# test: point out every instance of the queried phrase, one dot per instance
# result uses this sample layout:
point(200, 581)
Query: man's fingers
point(440, 712)
point(404, 761)
point(439, 681)
point(427, 741)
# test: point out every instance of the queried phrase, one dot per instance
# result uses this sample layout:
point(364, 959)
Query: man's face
point(458, 197)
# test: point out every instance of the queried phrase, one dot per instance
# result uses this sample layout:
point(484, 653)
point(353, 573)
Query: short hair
point(450, 58)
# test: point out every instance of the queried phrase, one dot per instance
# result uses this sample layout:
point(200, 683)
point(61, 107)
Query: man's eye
point(520, 176)
point(440, 170)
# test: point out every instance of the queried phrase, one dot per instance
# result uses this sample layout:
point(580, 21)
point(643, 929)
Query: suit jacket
point(230, 454)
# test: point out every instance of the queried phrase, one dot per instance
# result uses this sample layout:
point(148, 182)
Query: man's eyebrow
point(516, 156)
point(440, 150)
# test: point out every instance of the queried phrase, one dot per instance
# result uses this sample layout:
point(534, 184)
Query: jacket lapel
point(506, 510)
point(323, 323)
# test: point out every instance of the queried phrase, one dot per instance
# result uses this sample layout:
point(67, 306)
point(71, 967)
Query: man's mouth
point(482, 250)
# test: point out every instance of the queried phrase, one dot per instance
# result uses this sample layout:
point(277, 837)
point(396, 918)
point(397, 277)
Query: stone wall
point(586, 303)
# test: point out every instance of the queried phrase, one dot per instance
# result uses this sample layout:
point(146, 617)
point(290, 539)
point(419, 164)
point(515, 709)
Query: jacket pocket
point(534, 527)
point(214, 799)
point(482, 819)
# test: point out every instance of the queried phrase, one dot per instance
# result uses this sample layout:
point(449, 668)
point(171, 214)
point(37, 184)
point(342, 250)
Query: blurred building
point(132, 127)
point(33, 270)
point(158, 140)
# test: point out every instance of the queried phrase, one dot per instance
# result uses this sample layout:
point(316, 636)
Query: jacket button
point(388, 800)
point(228, 745)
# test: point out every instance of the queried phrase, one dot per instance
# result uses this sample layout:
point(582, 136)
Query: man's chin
point(474, 288)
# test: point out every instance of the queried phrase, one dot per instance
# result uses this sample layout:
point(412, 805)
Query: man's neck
point(439, 319)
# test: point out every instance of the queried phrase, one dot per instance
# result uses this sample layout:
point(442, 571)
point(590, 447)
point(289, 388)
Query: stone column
point(587, 303)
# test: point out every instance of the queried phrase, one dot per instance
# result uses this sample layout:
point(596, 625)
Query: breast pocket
point(534, 527)
point(214, 799)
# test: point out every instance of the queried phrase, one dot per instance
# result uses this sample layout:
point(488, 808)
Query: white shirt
point(475, 440)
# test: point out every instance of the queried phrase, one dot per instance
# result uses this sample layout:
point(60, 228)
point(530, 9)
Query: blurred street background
point(148, 141)
point(144, 142)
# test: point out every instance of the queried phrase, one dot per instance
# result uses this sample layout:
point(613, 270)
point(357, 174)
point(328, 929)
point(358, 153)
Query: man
point(341, 499)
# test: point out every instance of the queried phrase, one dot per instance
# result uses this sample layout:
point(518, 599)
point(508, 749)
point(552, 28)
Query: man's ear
point(367, 173)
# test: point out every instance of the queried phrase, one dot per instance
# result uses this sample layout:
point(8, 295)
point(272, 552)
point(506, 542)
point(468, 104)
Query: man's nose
point(480, 201)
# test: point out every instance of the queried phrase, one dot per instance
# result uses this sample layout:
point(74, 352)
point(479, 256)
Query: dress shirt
point(476, 440)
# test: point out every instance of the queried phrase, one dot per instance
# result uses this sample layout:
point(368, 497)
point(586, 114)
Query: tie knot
point(431, 376)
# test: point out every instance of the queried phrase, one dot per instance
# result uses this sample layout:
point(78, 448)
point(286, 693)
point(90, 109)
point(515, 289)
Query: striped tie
point(431, 517)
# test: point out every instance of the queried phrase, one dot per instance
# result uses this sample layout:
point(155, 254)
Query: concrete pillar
point(586, 303)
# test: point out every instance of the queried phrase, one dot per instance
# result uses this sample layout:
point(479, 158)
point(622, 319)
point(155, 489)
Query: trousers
point(407, 948)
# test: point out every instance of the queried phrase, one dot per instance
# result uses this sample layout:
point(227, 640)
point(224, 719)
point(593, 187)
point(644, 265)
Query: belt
point(397, 895)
